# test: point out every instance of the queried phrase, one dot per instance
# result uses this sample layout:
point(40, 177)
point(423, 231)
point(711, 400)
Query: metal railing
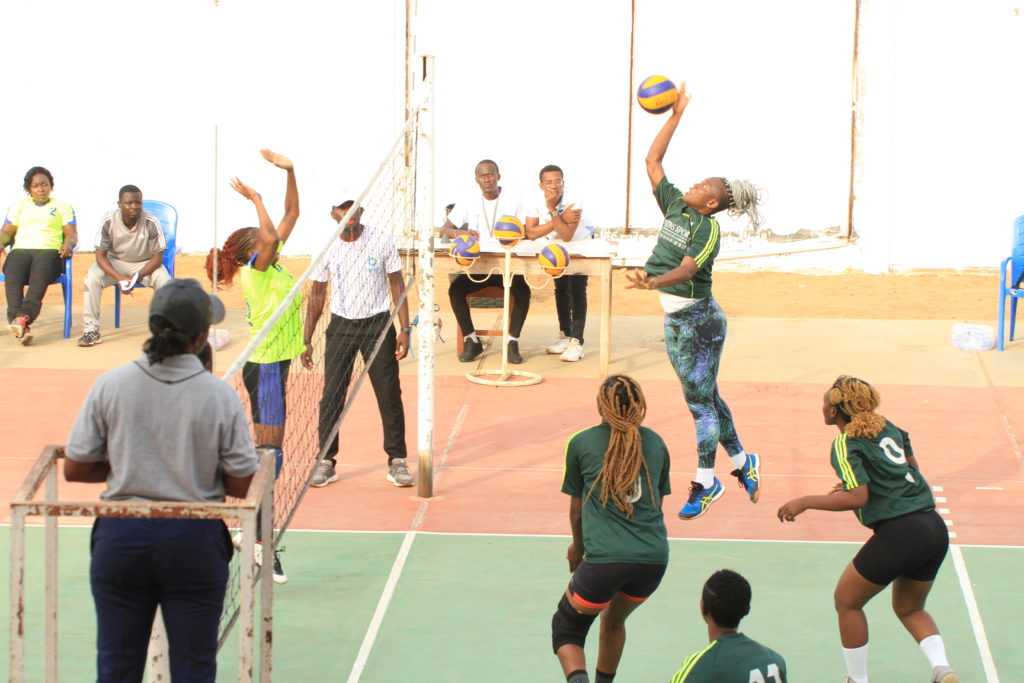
point(259, 498)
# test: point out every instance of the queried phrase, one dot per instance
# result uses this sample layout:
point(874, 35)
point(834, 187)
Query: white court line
point(396, 569)
point(989, 488)
point(972, 610)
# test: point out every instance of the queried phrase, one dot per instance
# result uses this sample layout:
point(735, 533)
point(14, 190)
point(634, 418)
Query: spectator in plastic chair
point(365, 273)
point(563, 221)
point(121, 437)
point(130, 248)
point(479, 214)
point(46, 233)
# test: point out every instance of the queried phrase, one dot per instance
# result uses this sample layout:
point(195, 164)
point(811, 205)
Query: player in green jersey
point(882, 483)
point(679, 268)
point(731, 657)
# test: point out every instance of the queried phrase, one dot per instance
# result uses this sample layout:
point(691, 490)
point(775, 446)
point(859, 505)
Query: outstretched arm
point(291, 196)
point(655, 171)
point(266, 239)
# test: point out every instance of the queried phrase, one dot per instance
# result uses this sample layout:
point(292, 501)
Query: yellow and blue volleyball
point(553, 259)
point(464, 249)
point(508, 231)
point(656, 94)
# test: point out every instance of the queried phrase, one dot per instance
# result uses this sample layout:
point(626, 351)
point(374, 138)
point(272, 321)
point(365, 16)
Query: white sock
point(739, 460)
point(935, 650)
point(515, 339)
point(857, 663)
point(472, 337)
point(706, 476)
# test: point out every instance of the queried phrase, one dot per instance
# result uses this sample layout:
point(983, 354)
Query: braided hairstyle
point(232, 256)
point(856, 401)
point(621, 404)
point(742, 199)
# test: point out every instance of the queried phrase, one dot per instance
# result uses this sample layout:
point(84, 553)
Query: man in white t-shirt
point(130, 248)
point(365, 273)
point(558, 217)
point(480, 214)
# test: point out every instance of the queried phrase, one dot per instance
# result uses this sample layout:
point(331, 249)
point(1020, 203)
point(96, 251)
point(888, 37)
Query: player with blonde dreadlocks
point(680, 269)
point(616, 474)
point(882, 483)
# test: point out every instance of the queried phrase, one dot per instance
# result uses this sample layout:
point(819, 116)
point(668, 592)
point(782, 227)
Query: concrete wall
point(124, 91)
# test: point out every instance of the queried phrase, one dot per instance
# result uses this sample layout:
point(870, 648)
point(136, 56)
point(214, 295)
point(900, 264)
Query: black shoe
point(470, 351)
point(513, 353)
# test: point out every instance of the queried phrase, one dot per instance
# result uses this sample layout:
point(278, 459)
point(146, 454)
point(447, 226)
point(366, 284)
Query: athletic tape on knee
point(569, 627)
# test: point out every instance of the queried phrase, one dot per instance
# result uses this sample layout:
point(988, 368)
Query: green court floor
point(469, 608)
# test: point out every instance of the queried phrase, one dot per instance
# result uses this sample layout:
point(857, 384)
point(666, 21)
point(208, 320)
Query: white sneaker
point(559, 346)
point(573, 351)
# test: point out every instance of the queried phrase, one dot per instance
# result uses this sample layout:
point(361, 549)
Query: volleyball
point(553, 259)
point(656, 94)
point(508, 231)
point(464, 249)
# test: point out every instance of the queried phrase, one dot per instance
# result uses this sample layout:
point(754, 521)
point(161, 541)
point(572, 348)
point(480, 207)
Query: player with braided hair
point(882, 483)
point(730, 656)
point(695, 325)
point(616, 474)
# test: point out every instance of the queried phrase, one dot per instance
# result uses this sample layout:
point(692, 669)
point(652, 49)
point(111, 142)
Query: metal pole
point(16, 625)
point(50, 623)
point(629, 109)
point(856, 116)
point(425, 282)
point(267, 586)
point(216, 244)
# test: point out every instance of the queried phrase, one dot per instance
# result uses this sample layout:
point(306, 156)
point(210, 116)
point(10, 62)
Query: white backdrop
point(122, 91)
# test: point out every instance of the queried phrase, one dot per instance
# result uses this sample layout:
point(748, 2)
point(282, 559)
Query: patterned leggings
point(694, 338)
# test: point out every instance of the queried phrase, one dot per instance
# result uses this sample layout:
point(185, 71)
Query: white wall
point(123, 91)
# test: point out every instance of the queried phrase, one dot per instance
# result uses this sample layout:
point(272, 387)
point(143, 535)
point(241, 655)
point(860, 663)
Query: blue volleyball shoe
point(750, 476)
point(701, 499)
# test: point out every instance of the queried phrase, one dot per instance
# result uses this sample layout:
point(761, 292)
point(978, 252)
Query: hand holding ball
point(657, 94)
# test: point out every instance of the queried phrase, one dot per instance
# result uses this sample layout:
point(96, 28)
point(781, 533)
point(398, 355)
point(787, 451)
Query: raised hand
point(243, 189)
point(279, 160)
point(684, 99)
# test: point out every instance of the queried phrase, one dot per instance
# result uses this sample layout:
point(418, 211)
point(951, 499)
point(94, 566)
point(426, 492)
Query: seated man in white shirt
point(479, 215)
point(129, 251)
point(558, 217)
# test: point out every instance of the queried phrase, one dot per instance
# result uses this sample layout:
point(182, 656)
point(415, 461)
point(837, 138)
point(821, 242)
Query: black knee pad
point(569, 627)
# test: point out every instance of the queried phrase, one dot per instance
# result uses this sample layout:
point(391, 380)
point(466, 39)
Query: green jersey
point(733, 658)
point(608, 535)
point(684, 232)
point(894, 487)
point(263, 292)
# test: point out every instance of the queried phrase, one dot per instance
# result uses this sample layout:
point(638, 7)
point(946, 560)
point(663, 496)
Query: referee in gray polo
point(162, 428)
point(365, 273)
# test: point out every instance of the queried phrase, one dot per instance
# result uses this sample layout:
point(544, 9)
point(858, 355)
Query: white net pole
point(425, 238)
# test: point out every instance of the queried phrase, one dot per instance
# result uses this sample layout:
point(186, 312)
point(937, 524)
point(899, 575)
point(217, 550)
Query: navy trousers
point(180, 565)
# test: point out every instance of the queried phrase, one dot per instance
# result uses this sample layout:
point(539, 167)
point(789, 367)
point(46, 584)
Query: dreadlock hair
point(621, 403)
point(166, 341)
point(232, 256)
point(856, 401)
point(726, 597)
point(742, 199)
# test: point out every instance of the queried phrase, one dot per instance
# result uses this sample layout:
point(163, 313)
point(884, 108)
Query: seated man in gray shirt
point(162, 428)
point(129, 251)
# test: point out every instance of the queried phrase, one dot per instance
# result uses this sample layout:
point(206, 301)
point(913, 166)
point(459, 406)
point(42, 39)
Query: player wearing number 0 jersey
point(730, 657)
point(882, 483)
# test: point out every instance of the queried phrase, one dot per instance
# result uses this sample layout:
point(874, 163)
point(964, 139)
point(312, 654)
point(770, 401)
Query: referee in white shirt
point(365, 273)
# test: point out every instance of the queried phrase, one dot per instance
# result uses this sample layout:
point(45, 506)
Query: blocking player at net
point(881, 482)
point(730, 656)
point(365, 273)
point(679, 268)
point(253, 253)
point(616, 474)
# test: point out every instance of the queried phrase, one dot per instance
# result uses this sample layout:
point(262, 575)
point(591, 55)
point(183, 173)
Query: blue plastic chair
point(1011, 287)
point(168, 216)
point(64, 280)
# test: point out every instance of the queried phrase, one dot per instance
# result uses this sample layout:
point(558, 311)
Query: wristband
point(406, 330)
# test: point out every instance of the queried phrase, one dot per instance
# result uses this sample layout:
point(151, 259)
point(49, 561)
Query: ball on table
point(508, 231)
point(464, 249)
point(657, 94)
point(553, 259)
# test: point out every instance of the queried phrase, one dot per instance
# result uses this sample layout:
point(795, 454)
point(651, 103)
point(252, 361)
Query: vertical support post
point(425, 282)
point(246, 594)
point(606, 316)
point(50, 618)
point(629, 110)
point(506, 283)
point(16, 625)
point(266, 639)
